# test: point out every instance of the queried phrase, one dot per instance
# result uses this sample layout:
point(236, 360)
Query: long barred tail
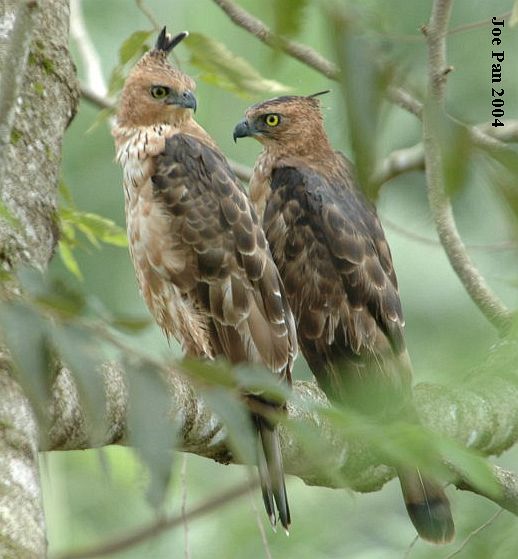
point(271, 473)
point(427, 506)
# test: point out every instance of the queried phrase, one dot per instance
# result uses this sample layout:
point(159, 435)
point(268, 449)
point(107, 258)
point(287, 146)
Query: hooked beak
point(185, 100)
point(242, 130)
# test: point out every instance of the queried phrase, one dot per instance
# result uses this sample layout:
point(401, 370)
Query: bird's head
point(287, 119)
point(156, 92)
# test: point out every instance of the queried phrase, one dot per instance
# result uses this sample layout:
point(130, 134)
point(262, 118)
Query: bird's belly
point(158, 262)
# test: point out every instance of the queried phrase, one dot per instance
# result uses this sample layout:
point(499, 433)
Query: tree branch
point(398, 162)
point(87, 50)
point(305, 54)
point(474, 283)
point(256, 27)
point(473, 416)
point(409, 234)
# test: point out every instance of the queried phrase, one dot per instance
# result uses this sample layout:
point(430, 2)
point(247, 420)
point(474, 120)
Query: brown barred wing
point(230, 276)
point(337, 269)
point(227, 267)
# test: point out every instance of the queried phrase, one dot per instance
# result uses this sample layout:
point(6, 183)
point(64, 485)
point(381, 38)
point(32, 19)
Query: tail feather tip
point(433, 521)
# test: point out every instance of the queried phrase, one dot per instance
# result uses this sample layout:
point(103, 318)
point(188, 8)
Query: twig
point(398, 162)
point(435, 33)
point(260, 526)
point(13, 73)
point(256, 27)
point(148, 13)
point(476, 24)
point(474, 533)
point(410, 38)
point(506, 133)
point(98, 100)
point(183, 485)
point(413, 159)
point(507, 496)
point(474, 283)
point(94, 76)
point(490, 247)
point(155, 528)
point(401, 97)
point(410, 547)
point(305, 54)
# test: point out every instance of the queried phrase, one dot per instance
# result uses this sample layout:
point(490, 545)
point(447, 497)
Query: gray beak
point(242, 130)
point(185, 100)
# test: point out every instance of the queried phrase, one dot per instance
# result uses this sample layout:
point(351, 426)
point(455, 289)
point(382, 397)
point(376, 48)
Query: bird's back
point(336, 265)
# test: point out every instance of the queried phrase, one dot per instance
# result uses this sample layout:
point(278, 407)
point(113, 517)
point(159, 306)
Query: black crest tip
point(167, 43)
point(318, 93)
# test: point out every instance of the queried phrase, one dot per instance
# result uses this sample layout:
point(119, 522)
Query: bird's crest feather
point(318, 93)
point(166, 42)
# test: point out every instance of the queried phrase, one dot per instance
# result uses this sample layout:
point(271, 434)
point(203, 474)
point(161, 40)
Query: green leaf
point(215, 373)
point(65, 193)
point(62, 301)
point(259, 380)
point(455, 145)
point(133, 46)
point(364, 79)
point(102, 116)
point(82, 352)
point(97, 227)
point(25, 333)
point(237, 421)
point(130, 324)
point(152, 430)
point(473, 467)
point(221, 67)
point(131, 49)
point(116, 81)
point(289, 16)
point(68, 259)
point(94, 227)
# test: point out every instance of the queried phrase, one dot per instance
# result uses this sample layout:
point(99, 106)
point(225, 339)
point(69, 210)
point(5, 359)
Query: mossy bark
point(46, 100)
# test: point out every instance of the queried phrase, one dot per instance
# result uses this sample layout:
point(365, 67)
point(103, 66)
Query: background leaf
point(289, 16)
point(26, 334)
point(237, 421)
point(133, 46)
point(152, 430)
point(221, 67)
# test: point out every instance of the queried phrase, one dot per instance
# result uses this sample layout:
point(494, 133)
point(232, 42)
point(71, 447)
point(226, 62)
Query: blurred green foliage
point(446, 334)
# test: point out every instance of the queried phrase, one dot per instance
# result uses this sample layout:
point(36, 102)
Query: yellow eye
point(159, 91)
point(272, 120)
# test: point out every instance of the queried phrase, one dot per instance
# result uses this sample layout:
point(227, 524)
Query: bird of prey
point(336, 265)
point(200, 255)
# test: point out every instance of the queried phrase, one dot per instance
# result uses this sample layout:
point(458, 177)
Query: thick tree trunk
point(45, 100)
point(46, 103)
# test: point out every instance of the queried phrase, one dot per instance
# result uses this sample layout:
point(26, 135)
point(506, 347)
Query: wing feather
point(337, 269)
point(230, 275)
